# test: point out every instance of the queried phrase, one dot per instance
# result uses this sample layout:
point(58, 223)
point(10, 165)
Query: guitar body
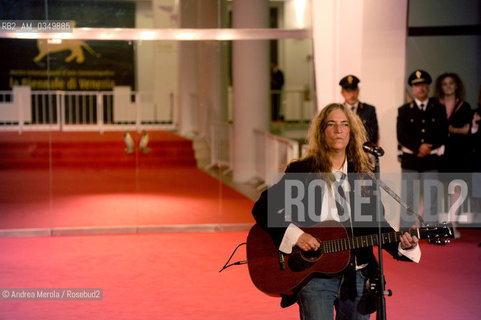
point(266, 270)
point(276, 274)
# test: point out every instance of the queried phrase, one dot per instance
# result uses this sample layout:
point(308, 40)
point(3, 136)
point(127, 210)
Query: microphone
point(371, 148)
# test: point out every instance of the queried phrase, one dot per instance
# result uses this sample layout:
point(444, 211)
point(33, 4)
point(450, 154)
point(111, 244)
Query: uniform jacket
point(415, 127)
point(367, 113)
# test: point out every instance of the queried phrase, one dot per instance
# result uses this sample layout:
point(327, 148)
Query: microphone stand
point(380, 292)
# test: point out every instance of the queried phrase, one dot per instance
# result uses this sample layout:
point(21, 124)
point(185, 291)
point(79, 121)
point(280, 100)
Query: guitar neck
point(363, 241)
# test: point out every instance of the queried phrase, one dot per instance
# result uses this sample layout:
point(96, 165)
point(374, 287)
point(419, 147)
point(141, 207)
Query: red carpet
point(106, 187)
point(445, 285)
point(74, 198)
point(169, 275)
point(91, 150)
point(175, 276)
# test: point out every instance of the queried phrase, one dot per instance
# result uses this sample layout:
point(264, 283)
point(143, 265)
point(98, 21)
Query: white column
point(338, 33)
point(165, 15)
point(212, 73)
point(250, 86)
point(188, 93)
point(202, 69)
point(384, 70)
point(366, 38)
point(188, 72)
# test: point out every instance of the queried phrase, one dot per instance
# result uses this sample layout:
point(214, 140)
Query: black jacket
point(269, 211)
point(415, 127)
point(367, 113)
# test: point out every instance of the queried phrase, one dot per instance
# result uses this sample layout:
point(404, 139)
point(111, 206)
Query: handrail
point(272, 153)
point(70, 110)
point(221, 145)
point(274, 137)
point(45, 110)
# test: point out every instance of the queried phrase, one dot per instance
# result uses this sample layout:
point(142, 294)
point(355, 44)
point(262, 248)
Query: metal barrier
point(272, 154)
point(117, 110)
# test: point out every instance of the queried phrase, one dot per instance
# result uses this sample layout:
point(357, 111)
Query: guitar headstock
point(437, 232)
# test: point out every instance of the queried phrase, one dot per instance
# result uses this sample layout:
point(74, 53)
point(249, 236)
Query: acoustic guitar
point(275, 273)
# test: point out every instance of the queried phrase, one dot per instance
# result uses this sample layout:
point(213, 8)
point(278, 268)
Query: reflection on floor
point(64, 183)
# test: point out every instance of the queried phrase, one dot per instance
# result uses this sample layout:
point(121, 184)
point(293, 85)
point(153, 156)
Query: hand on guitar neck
point(307, 242)
point(408, 241)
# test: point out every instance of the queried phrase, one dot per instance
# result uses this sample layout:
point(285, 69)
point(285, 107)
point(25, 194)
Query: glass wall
point(134, 135)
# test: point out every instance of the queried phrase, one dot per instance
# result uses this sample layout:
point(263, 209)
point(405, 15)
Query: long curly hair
point(438, 88)
point(318, 150)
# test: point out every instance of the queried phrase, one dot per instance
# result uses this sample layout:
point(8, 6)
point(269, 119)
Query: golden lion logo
point(74, 46)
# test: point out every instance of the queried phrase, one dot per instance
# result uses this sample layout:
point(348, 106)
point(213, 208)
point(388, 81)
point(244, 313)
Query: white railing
point(221, 145)
point(120, 109)
point(296, 105)
point(15, 108)
point(117, 110)
point(193, 115)
point(272, 154)
point(8, 110)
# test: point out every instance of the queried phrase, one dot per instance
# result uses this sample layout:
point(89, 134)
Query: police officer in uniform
point(367, 113)
point(422, 130)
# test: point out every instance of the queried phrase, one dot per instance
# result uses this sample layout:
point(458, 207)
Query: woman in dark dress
point(449, 91)
point(476, 158)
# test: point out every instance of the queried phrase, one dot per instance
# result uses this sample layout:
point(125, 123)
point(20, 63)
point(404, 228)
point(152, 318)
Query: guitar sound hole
point(311, 255)
point(303, 260)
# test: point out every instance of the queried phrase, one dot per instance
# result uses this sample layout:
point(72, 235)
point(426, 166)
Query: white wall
point(156, 61)
point(296, 54)
point(383, 70)
point(366, 38)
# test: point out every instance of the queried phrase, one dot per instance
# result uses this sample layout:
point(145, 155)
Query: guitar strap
point(393, 194)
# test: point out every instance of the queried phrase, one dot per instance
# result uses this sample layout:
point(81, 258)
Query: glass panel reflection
point(133, 134)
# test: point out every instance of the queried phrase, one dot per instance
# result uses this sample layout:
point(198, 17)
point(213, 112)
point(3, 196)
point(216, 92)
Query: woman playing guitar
point(328, 184)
